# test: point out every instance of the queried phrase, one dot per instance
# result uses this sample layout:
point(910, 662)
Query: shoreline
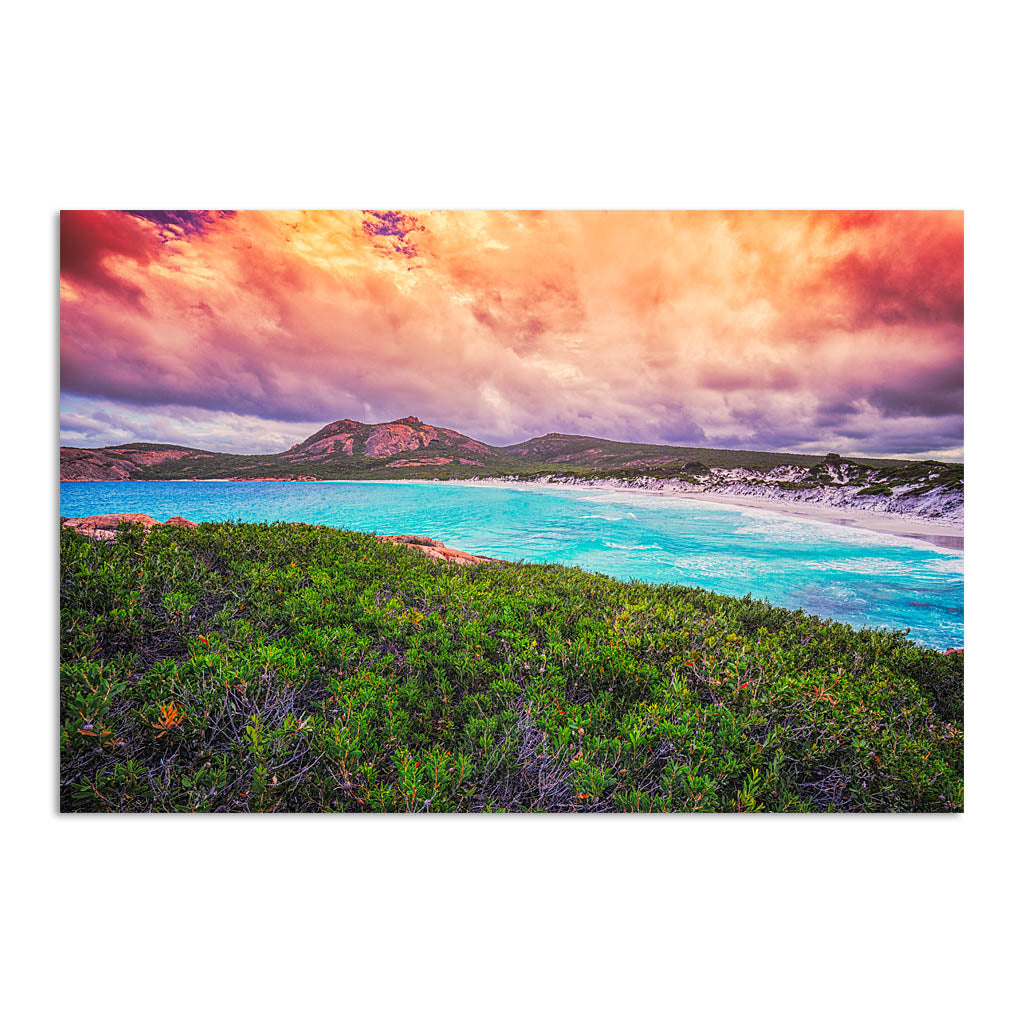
point(937, 533)
point(949, 536)
point(945, 535)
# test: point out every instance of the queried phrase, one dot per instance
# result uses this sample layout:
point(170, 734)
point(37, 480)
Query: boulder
point(391, 438)
point(179, 521)
point(106, 527)
point(435, 549)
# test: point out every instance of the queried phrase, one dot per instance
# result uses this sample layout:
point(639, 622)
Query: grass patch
point(241, 667)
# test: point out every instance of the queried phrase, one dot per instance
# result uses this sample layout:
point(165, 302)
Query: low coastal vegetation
point(865, 476)
point(241, 667)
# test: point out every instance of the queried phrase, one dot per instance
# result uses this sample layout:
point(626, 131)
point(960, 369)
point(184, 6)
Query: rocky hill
point(124, 462)
point(409, 438)
point(409, 448)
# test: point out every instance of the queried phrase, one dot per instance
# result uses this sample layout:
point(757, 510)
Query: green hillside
point(236, 667)
point(611, 456)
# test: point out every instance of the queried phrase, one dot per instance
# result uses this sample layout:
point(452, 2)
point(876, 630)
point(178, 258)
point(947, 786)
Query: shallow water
point(839, 572)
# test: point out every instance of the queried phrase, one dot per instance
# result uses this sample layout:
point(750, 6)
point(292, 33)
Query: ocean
point(838, 572)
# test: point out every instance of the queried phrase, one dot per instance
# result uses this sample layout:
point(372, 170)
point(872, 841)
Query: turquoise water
point(852, 575)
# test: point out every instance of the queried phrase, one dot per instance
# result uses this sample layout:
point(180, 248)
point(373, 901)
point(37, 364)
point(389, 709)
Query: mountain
point(386, 440)
point(409, 448)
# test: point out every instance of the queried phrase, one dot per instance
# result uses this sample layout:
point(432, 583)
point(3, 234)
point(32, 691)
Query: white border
point(553, 106)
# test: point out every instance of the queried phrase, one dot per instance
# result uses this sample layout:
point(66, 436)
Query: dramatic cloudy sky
point(246, 331)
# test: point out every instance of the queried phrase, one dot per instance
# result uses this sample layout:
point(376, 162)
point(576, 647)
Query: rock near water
point(435, 549)
point(107, 527)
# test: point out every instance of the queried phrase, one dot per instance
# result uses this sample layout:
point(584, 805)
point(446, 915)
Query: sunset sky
point(247, 331)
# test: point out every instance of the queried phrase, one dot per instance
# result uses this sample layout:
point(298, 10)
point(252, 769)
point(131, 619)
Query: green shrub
point(242, 667)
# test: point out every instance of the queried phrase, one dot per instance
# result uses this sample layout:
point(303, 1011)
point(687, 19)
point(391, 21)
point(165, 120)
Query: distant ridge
point(408, 448)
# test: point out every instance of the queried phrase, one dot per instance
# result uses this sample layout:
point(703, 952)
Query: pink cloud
point(721, 327)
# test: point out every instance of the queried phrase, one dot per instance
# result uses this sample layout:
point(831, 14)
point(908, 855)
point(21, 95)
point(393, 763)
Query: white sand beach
point(938, 532)
point(942, 534)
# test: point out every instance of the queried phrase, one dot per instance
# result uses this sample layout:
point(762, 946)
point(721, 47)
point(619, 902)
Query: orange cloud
point(756, 329)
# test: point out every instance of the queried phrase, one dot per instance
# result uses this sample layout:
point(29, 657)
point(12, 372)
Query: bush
point(241, 667)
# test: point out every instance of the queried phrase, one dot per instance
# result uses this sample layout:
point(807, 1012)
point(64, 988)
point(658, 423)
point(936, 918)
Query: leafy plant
point(256, 667)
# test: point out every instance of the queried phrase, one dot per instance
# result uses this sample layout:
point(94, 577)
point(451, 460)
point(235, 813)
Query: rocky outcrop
point(107, 527)
point(333, 444)
point(338, 430)
point(106, 464)
point(435, 549)
point(392, 438)
point(81, 464)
